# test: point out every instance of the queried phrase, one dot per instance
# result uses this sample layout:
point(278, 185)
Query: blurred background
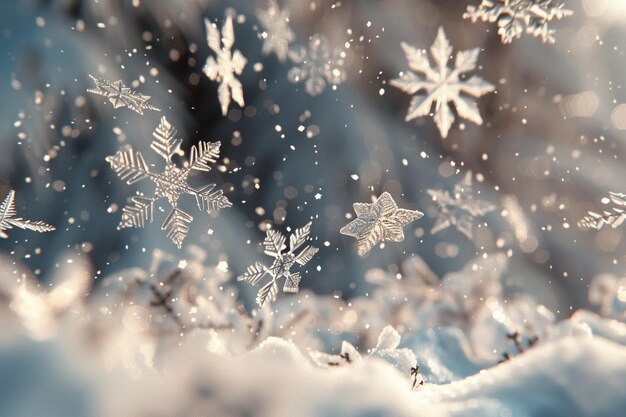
point(550, 148)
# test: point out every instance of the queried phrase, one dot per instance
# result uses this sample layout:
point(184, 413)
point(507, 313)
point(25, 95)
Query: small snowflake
point(378, 222)
point(515, 17)
point(277, 35)
point(228, 63)
point(131, 167)
point(460, 208)
point(9, 221)
point(317, 65)
point(283, 262)
point(121, 96)
point(442, 84)
point(613, 217)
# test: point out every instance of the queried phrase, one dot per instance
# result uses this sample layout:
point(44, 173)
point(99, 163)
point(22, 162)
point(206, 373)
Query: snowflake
point(613, 217)
point(228, 63)
point(131, 167)
point(277, 35)
point(121, 96)
point(377, 222)
point(515, 17)
point(317, 64)
point(460, 208)
point(8, 219)
point(283, 261)
point(442, 84)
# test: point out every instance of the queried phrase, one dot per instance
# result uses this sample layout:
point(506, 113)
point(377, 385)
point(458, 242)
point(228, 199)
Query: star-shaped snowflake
point(277, 35)
point(515, 17)
point(283, 262)
point(228, 63)
point(121, 96)
point(317, 65)
point(441, 84)
point(9, 221)
point(171, 184)
point(460, 208)
point(378, 222)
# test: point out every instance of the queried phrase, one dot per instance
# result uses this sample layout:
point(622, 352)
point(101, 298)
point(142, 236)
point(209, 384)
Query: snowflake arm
point(515, 17)
point(226, 65)
point(613, 217)
point(378, 222)
point(121, 96)
point(441, 87)
point(8, 219)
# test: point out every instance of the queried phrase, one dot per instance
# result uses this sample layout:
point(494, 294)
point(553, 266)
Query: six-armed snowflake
point(9, 221)
point(131, 167)
point(283, 262)
point(377, 222)
point(228, 63)
point(121, 96)
point(441, 84)
point(460, 208)
point(277, 35)
point(515, 17)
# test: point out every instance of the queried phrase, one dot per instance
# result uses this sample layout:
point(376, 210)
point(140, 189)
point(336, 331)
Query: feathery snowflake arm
point(613, 217)
point(8, 219)
point(121, 96)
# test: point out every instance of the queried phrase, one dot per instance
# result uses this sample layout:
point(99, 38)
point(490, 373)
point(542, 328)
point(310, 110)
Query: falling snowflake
point(378, 222)
point(317, 65)
point(121, 96)
point(515, 17)
point(277, 35)
point(442, 84)
point(613, 217)
point(9, 221)
point(131, 167)
point(283, 261)
point(227, 65)
point(460, 208)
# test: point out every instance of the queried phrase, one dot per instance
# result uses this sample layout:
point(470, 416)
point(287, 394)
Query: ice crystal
point(283, 261)
point(228, 63)
point(131, 167)
point(121, 96)
point(442, 84)
point(515, 17)
point(460, 208)
point(378, 222)
point(277, 35)
point(9, 221)
point(613, 217)
point(317, 65)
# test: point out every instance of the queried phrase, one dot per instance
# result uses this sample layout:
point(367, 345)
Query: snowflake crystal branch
point(9, 221)
point(121, 96)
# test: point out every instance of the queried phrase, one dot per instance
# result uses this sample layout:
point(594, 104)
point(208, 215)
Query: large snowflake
point(277, 35)
point(170, 184)
point(9, 221)
point(317, 65)
point(515, 17)
point(283, 262)
point(121, 96)
point(460, 208)
point(228, 63)
point(613, 217)
point(441, 84)
point(377, 222)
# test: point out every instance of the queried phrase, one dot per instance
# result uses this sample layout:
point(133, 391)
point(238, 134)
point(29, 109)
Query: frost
point(317, 65)
point(515, 17)
point(378, 222)
point(442, 84)
point(460, 208)
point(170, 184)
point(228, 63)
point(613, 217)
point(277, 35)
point(9, 221)
point(121, 96)
point(283, 261)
